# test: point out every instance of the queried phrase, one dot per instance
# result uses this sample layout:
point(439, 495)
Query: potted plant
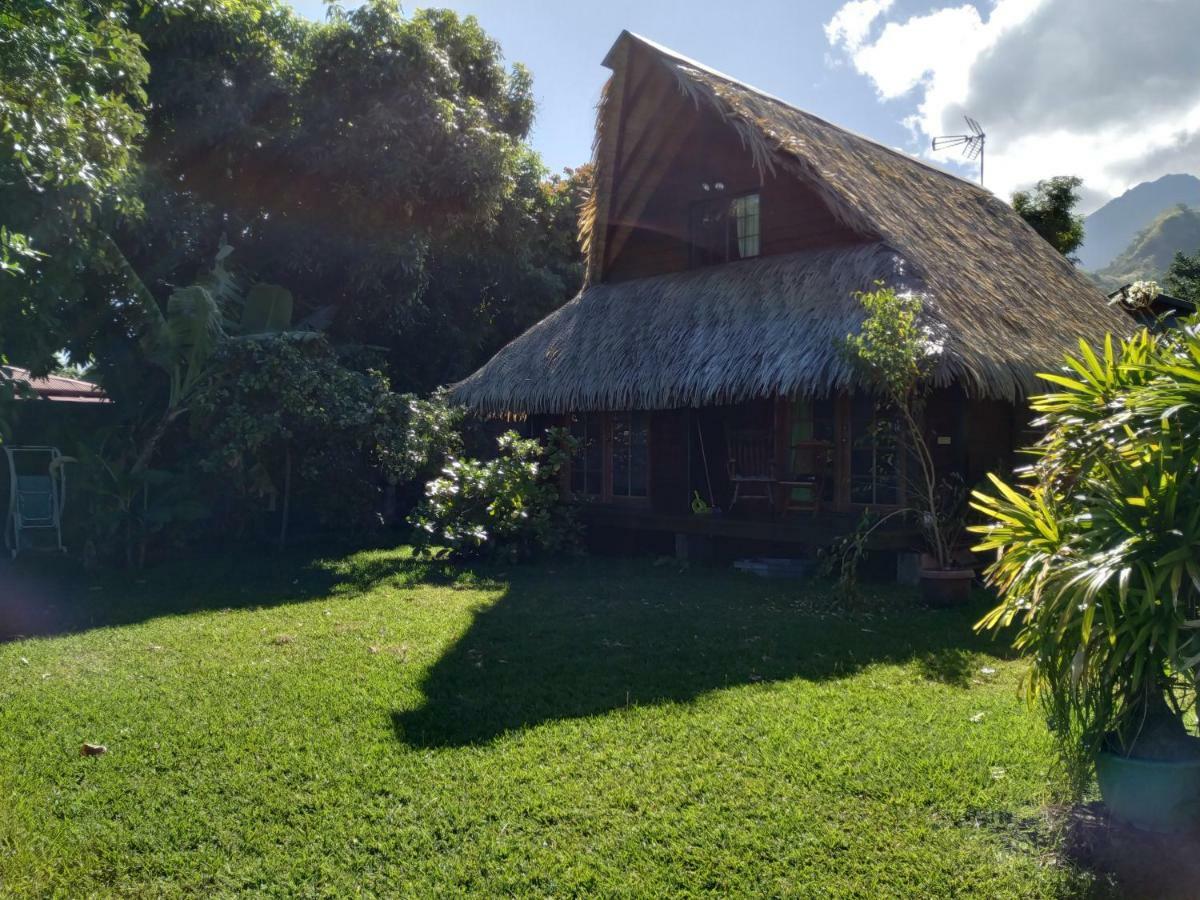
point(1099, 570)
point(895, 352)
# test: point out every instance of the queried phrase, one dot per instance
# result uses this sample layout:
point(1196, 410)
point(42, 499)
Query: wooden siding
point(668, 148)
point(669, 484)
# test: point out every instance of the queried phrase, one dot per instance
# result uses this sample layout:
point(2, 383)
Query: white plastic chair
point(36, 495)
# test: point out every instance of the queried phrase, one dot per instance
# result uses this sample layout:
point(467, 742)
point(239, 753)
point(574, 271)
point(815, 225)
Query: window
point(875, 459)
point(612, 461)
point(723, 230)
point(587, 473)
point(629, 443)
point(745, 231)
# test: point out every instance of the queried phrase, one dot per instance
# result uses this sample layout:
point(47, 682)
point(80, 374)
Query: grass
point(367, 725)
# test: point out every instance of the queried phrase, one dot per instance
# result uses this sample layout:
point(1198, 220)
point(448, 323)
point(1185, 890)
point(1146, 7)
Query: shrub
point(1099, 564)
point(285, 415)
point(896, 352)
point(511, 506)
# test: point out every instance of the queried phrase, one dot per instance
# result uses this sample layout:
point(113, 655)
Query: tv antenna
point(972, 143)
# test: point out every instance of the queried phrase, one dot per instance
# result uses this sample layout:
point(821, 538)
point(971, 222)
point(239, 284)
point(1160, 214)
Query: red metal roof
point(57, 388)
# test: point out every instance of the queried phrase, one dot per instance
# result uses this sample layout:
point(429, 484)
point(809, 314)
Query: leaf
point(267, 309)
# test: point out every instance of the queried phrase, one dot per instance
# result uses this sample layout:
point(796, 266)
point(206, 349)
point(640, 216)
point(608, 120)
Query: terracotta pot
point(942, 588)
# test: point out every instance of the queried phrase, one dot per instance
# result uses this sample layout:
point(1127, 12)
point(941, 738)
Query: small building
point(1162, 311)
point(54, 410)
point(725, 238)
point(53, 387)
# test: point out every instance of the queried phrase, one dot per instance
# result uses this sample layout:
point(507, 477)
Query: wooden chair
point(752, 466)
point(812, 481)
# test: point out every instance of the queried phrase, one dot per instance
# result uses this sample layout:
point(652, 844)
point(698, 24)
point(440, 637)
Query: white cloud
point(851, 24)
point(1105, 89)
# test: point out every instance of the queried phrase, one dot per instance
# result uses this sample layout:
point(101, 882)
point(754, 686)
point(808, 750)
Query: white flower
point(1141, 294)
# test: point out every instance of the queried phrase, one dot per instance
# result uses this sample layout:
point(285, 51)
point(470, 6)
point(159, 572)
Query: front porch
point(785, 471)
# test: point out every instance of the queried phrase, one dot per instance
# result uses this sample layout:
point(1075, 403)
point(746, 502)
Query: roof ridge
point(766, 95)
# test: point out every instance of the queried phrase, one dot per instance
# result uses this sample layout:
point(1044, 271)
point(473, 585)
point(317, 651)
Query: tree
point(896, 352)
point(375, 164)
point(1183, 276)
point(71, 99)
point(286, 411)
point(1048, 208)
point(490, 283)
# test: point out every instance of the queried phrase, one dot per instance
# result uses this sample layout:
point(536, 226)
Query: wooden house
point(725, 238)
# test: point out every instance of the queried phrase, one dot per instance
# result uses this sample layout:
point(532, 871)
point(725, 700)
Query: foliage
point(432, 438)
point(1183, 277)
point(486, 286)
point(767, 749)
point(510, 506)
point(1049, 209)
point(284, 413)
point(895, 351)
point(125, 503)
point(842, 558)
point(374, 163)
point(71, 95)
point(1098, 565)
point(184, 343)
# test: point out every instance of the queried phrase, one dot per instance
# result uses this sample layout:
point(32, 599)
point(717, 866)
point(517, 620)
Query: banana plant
point(183, 340)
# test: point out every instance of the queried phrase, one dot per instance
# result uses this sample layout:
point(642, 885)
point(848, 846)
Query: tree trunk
point(160, 430)
point(287, 496)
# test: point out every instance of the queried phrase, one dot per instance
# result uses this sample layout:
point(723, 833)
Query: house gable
point(661, 152)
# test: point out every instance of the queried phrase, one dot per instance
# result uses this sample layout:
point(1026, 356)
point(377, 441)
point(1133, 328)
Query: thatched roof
point(1006, 303)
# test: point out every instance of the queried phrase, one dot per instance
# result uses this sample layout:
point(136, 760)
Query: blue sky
point(1038, 74)
point(780, 47)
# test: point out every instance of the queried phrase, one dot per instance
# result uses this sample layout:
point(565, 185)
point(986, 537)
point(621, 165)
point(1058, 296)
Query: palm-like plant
point(1099, 549)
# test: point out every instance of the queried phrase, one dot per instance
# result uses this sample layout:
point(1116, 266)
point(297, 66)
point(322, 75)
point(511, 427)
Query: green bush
point(510, 506)
point(1099, 565)
point(285, 416)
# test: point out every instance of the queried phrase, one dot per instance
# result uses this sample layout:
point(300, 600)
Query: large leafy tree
point(375, 164)
point(1050, 209)
point(488, 283)
point(71, 100)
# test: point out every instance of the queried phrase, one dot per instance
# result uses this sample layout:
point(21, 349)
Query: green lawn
point(365, 725)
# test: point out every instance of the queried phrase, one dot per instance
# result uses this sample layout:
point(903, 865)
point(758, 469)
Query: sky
point(1105, 89)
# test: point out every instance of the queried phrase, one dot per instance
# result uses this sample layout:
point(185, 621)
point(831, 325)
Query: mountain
point(1151, 252)
point(1112, 227)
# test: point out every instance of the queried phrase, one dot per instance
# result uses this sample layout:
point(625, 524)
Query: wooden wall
point(669, 483)
point(668, 150)
point(983, 434)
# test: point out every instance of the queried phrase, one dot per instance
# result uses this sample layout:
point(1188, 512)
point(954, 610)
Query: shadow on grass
point(1130, 863)
point(43, 596)
point(948, 665)
point(605, 637)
